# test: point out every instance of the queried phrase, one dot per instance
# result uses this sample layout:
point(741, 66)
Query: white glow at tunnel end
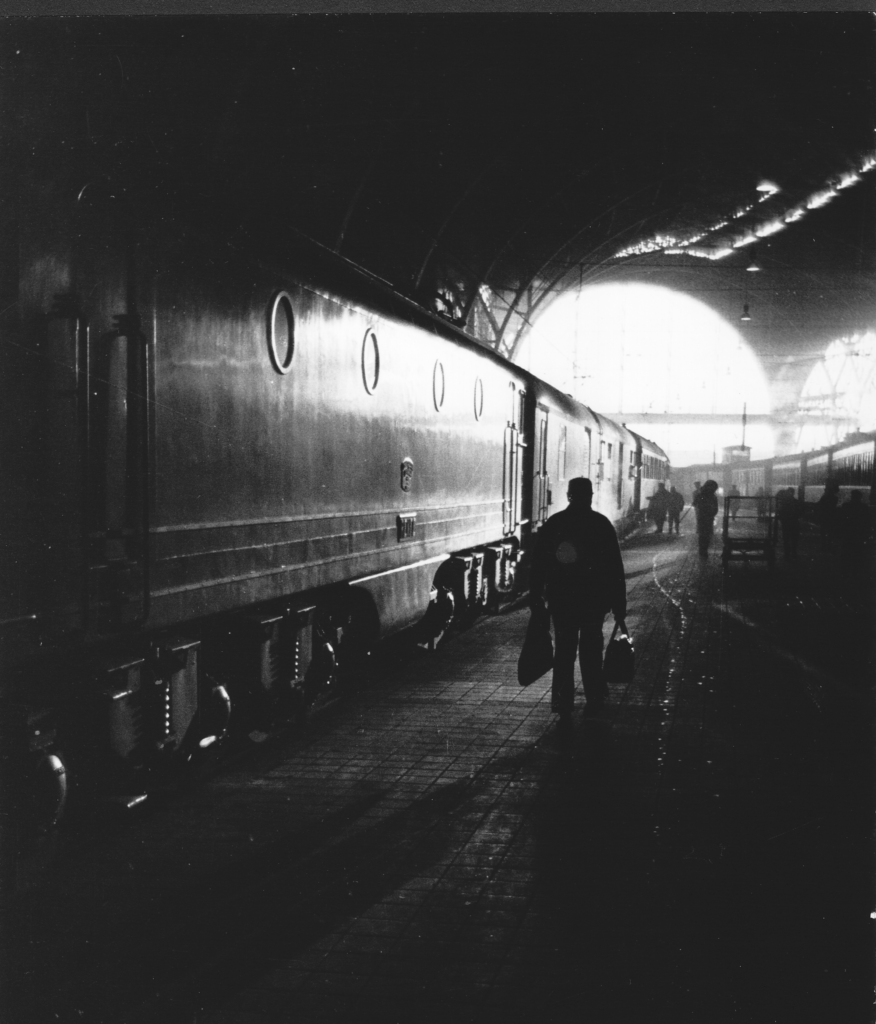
point(630, 349)
point(840, 392)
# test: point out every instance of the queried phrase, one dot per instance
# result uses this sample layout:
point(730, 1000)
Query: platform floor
point(425, 851)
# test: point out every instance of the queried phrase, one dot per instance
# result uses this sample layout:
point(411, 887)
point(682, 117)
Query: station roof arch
point(481, 164)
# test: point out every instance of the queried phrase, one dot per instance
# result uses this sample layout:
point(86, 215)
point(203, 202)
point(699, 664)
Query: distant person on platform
point(705, 506)
point(825, 513)
point(734, 496)
point(788, 512)
point(855, 526)
point(577, 566)
point(659, 506)
point(676, 507)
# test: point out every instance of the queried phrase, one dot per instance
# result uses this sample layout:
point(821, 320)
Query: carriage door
point(585, 470)
point(509, 474)
point(600, 475)
point(540, 481)
point(511, 466)
point(119, 432)
point(620, 474)
point(65, 429)
point(636, 476)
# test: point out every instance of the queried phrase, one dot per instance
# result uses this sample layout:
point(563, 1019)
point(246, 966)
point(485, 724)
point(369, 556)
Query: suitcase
point(619, 664)
point(537, 654)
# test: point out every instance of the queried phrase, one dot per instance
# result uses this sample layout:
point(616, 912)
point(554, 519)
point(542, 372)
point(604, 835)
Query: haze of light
point(843, 386)
point(628, 348)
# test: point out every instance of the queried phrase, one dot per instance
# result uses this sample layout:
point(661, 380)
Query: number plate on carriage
point(405, 525)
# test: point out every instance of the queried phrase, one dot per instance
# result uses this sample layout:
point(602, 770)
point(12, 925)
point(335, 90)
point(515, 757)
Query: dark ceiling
point(523, 152)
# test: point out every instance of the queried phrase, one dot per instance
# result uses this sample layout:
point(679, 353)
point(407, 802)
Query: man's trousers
point(577, 632)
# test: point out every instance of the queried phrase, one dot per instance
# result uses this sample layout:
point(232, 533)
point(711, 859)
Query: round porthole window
point(370, 362)
point(281, 332)
point(478, 398)
point(438, 384)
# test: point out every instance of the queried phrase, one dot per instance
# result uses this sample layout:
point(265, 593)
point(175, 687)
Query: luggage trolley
point(749, 529)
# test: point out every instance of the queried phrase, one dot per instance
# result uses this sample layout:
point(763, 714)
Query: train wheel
point(321, 678)
point(209, 727)
point(440, 616)
point(356, 637)
point(50, 789)
point(344, 636)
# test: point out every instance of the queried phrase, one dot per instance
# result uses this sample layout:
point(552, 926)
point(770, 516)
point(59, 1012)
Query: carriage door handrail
point(509, 487)
point(541, 481)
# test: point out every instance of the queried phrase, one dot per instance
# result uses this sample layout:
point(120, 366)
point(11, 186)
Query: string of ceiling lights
point(714, 242)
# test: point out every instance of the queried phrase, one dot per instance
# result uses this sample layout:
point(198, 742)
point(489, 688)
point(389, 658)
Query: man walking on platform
point(855, 526)
point(788, 514)
point(659, 507)
point(826, 512)
point(706, 508)
point(577, 566)
point(676, 507)
point(734, 496)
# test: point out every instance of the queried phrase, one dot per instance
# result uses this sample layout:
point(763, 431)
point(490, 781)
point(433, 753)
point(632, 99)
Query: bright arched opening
point(633, 348)
point(840, 393)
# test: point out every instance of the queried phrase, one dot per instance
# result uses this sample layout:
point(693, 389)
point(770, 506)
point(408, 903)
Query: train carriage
point(816, 473)
point(572, 440)
point(358, 442)
point(651, 469)
point(787, 472)
point(749, 477)
point(848, 464)
point(238, 466)
point(852, 464)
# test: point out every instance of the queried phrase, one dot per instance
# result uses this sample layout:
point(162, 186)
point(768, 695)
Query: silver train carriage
point(848, 464)
point(228, 475)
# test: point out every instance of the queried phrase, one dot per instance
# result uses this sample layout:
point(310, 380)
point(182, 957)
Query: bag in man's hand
point(537, 655)
point(619, 665)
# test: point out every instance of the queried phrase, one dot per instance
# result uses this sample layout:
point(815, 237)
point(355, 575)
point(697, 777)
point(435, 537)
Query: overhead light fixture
point(849, 178)
point(745, 313)
point(752, 267)
point(769, 228)
point(766, 189)
point(819, 199)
